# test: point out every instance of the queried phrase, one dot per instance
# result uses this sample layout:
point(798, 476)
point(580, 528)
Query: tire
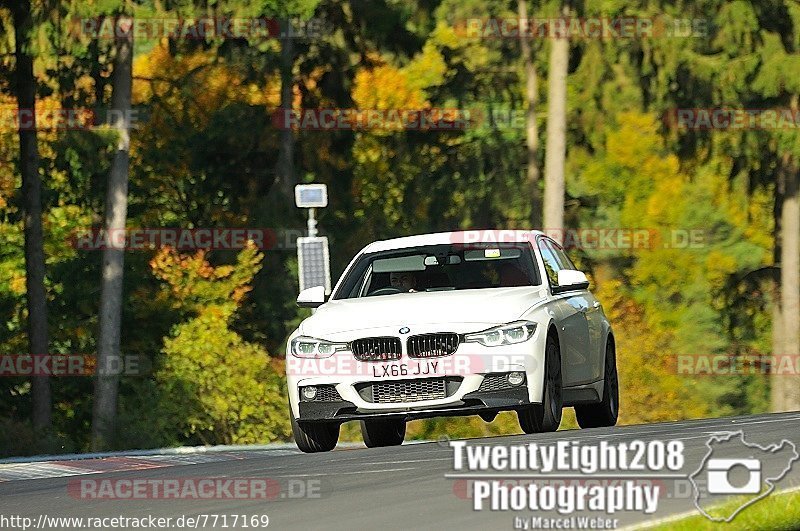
point(378, 433)
point(546, 417)
point(603, 413)
point(314, 437)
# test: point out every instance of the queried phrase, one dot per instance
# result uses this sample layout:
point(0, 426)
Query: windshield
point(440, 268)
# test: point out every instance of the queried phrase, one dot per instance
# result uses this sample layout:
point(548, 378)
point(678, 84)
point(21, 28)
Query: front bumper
point(472, 403)
point(469, 365)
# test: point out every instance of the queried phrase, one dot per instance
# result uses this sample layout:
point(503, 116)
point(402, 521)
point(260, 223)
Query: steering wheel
point(389, 290)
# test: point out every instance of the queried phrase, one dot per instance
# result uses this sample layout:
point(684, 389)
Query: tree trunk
point(532, 131)
point(284, 174)
point(777, 383)
point(108, 353)
point(556, 147)
point(32, 199)
point(790, 279)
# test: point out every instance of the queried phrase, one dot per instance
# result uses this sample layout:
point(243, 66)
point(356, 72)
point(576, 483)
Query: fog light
point(310, 392)
point(516, 378)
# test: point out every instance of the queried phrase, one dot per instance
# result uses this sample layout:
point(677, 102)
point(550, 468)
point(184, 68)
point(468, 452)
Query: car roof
point(467, 236)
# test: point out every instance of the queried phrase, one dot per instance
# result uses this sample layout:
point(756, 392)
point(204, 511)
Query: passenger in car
point(404, 281)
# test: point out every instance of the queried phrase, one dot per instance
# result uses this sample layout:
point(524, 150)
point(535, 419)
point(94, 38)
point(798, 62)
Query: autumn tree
point(223, 390)
point(556, 147)
point(32, 193)
point(532, 100)
point(113, 259)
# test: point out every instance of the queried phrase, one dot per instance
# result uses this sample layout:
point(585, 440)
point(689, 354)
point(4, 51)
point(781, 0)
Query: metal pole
point(312, 222)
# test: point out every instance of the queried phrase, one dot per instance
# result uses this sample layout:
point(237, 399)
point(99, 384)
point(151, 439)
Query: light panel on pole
point(313, 263)
point(311, 195)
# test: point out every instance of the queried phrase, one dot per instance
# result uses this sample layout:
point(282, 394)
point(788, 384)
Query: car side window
point(551, 264)
point(561, 256)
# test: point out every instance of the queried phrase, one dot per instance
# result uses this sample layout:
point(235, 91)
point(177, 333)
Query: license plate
point(416, 368)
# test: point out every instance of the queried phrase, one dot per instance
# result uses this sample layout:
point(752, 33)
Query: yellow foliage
point(446, 36)
point(386, 87)
point(195, 283)
point(210, 81)
point(17, 285)
point(427, 69)
point(8, 151)
point(636, 141)
point(46, 110)
point(719, 266)
point(650, 389)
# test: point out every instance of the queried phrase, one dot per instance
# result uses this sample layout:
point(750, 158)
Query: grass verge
point(778, 511)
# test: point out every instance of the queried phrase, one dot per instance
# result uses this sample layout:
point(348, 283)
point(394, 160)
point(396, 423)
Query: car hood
point(490, 306)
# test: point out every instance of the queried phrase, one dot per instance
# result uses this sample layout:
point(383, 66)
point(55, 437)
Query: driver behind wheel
point(405, 281)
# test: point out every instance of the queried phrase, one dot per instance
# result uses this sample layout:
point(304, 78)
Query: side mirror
point(570, 279)
point(311, 297)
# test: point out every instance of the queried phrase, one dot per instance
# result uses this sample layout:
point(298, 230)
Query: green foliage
point(220, 388)
point(650, 388)
point(18, 438)
point(223, 390)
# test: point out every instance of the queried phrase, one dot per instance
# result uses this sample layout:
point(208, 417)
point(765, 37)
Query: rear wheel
point(604, 413)
point(315, 436)
point(545, 417)
point(377, 433)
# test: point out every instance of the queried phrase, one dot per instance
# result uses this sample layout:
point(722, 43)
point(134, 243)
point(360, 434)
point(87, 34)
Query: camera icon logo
point(734, 467)
point(719, 476)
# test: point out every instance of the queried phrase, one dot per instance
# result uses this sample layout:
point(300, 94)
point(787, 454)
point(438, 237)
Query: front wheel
point(383, 432)
point(604, 413)
point(315, 436)
point(545, 417)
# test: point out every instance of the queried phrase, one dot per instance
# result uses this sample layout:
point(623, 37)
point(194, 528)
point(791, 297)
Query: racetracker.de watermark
point(149, 521)
point(42, 119)
point(428, 119)
point(721, 118)
point(589, 28)
point(737, 364)
point(333, 119)
point(591, 238)
point(185, 239)
point(199, 28)
point(201, 488)
point(462, 364)
point(17, 365)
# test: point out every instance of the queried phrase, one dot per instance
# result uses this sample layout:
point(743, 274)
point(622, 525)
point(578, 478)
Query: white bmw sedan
point(451, 324)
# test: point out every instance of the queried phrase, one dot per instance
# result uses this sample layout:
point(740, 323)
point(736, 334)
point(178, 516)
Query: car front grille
point(409, 390)
point(376, 349)
point(432, 345)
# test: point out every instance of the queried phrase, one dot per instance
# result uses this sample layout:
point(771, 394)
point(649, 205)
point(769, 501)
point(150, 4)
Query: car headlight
point(508, 334)
point(309, 347)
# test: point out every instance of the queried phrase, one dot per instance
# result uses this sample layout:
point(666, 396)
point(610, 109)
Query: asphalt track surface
point(384, 488)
